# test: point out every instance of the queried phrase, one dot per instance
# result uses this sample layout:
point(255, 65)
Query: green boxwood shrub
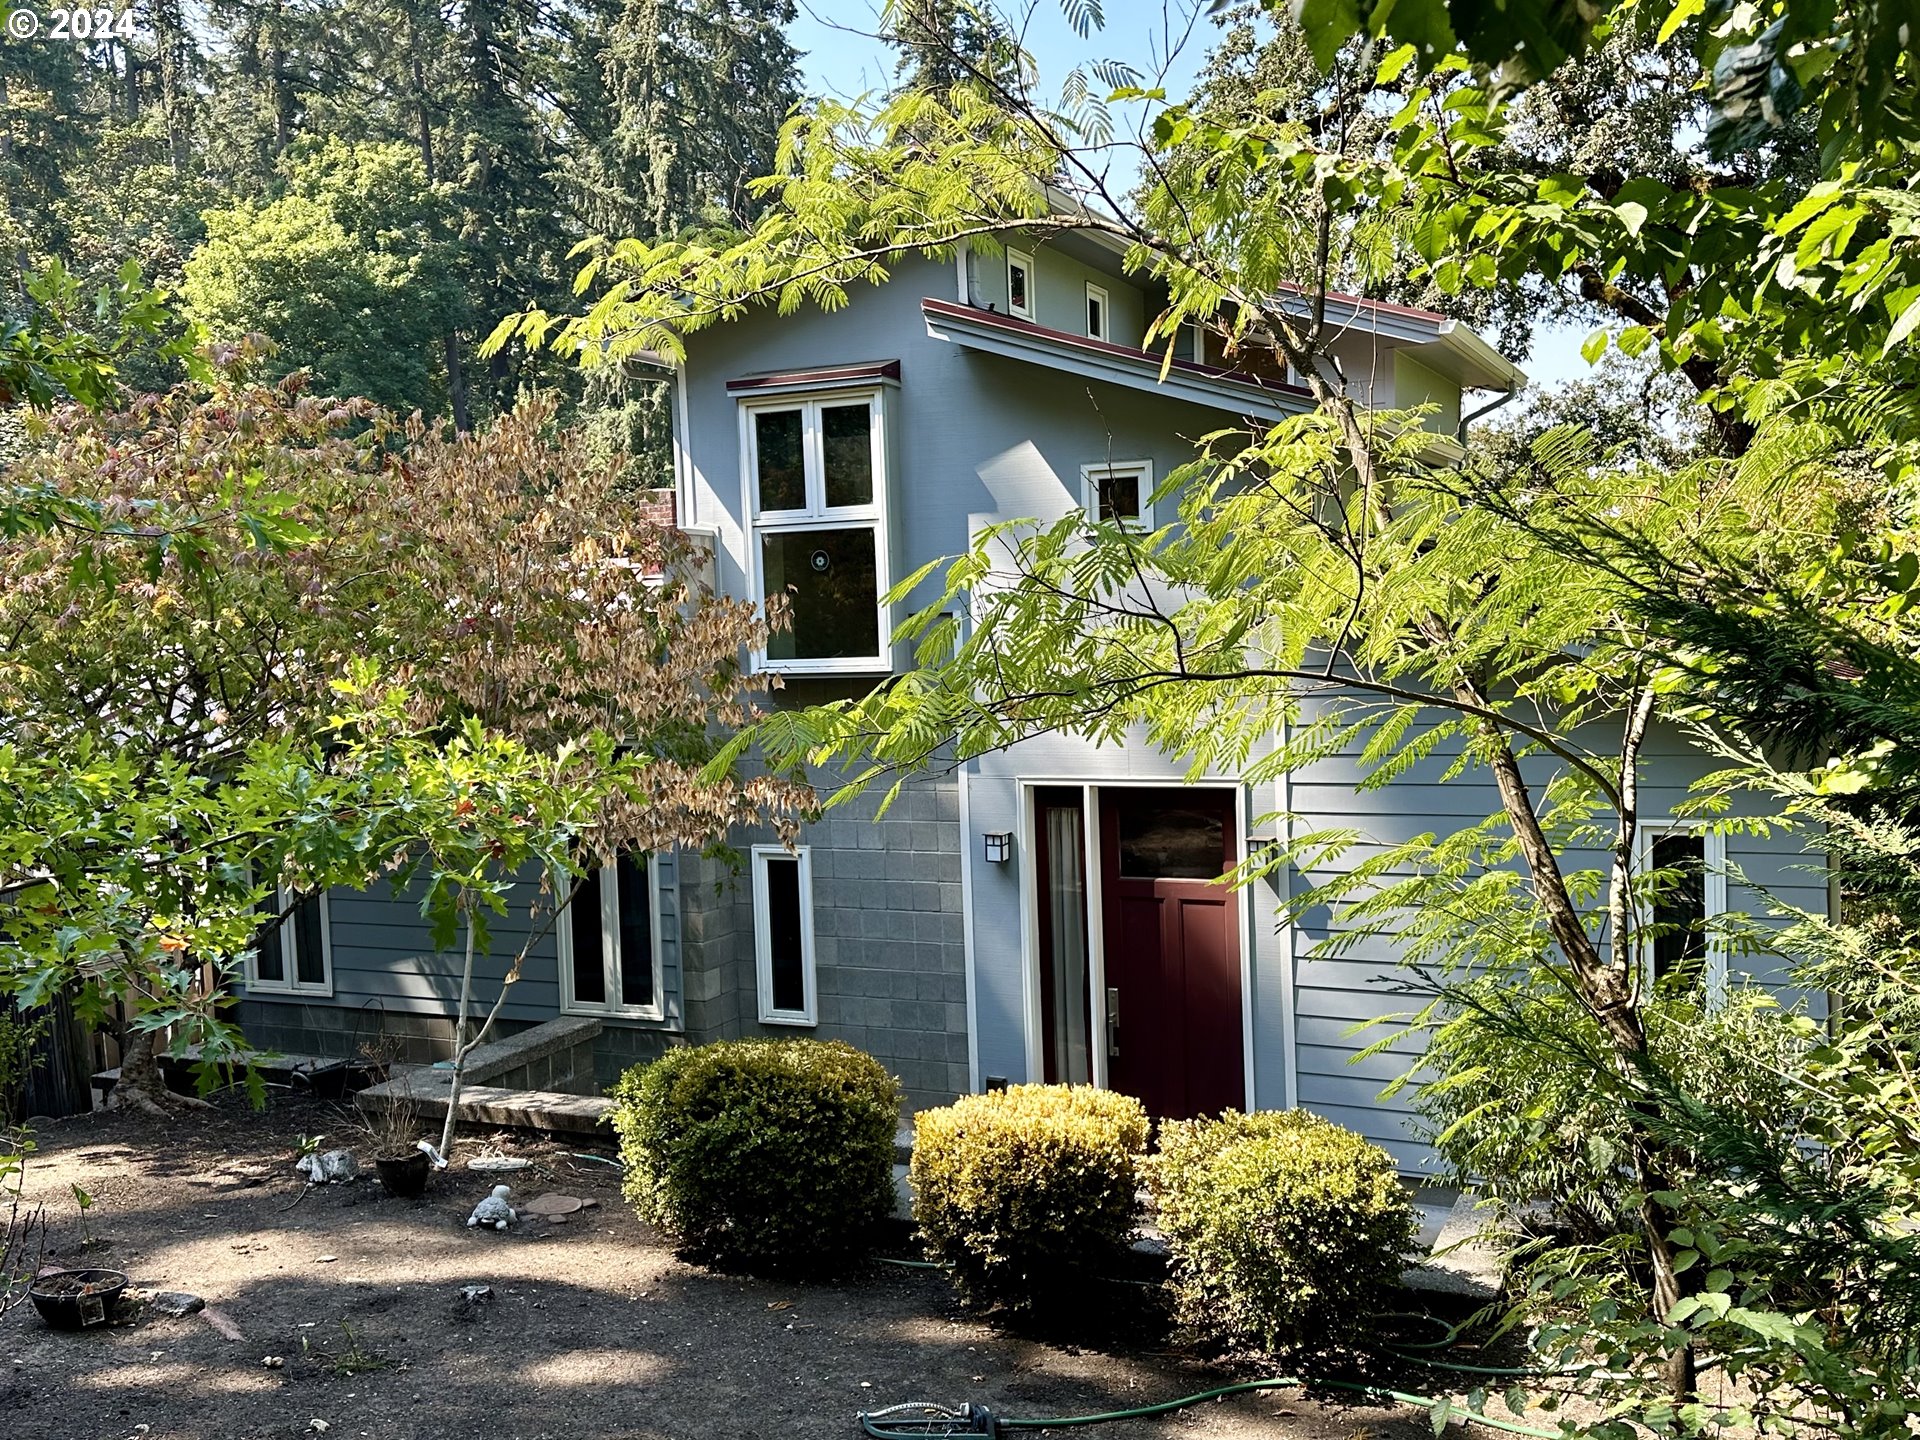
point(1026, 1190)
point(761, 1155)
point(1285, 1230)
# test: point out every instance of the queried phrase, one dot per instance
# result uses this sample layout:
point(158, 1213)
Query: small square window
point(1020, 284)
point(783, 935)
point(1096, 312)
point(1119, 492)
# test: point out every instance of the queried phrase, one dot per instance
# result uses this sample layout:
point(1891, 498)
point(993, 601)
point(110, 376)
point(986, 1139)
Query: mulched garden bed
point(343, 1311)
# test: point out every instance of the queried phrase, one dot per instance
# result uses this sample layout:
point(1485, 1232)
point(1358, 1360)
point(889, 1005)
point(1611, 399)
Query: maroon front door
point(1172, 934)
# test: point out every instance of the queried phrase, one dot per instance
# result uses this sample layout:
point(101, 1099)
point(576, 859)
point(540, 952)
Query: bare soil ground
point(593, 1329)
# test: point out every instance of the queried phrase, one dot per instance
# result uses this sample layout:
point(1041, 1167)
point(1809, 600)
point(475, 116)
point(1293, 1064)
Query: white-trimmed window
point(294, 956)
point(1119, 491)
point(816, 492)
point(1097, 313)
point(783, 934)
point(1677, 915)
point(1020, 284)
point(609, 939)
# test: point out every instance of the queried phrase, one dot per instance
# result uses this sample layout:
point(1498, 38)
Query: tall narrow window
point(609, 942)
point(1119, 491)
point(1060, 822)
point(1096, 312)
point(1684, 869)
point(783, 934)
point(818, 486)
point(1020, 284)
point(294, 955)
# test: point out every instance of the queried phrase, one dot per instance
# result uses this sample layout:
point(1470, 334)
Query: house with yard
point(1047, 913)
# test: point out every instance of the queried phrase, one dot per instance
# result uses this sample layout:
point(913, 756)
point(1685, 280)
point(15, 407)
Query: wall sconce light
point(999, 846)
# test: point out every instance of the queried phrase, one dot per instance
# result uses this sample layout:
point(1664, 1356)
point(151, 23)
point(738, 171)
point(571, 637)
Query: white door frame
point(1096, 919)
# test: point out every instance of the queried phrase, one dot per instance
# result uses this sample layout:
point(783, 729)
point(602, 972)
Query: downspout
point(1506, 396)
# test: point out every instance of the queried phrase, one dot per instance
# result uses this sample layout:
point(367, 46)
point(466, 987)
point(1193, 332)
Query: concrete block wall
point(891, 968)
point(320, 1027)
point(571, 1070)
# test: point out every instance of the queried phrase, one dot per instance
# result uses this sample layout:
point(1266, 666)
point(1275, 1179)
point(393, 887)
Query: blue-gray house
point(1043, 913)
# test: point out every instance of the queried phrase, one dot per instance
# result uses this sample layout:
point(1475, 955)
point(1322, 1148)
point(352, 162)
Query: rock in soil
point(175, 1303)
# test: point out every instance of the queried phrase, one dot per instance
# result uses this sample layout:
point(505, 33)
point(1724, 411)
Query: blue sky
point(843, 57)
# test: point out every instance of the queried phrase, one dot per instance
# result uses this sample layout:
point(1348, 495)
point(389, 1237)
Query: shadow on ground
point(592, 1328)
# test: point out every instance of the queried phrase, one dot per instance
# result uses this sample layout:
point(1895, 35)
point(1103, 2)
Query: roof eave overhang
point(995, 334)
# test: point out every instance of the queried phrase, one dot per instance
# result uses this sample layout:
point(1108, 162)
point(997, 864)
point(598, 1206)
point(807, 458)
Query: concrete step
point(539, 1052)
point(520, 1109)
point(1463, 1265)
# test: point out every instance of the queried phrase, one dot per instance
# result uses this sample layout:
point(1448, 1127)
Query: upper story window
point(816, 498)
point(610, 942)
point(1020, 284)
point(294, 956)
point(1119, 490)
point(1097, 312)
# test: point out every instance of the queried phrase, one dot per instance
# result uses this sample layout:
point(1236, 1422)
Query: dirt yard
point(592, 1328)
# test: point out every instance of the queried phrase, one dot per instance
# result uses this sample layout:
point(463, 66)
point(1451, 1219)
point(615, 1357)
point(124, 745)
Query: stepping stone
point(553, 1205)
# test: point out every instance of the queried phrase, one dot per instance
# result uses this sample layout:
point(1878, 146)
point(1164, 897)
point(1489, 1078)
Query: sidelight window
point(783, 935)
point(1060, 826)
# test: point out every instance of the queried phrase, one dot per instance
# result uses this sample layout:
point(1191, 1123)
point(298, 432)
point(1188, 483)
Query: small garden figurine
point(494, 1210)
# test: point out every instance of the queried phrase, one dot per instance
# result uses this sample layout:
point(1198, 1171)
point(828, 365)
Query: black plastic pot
point(77, 1299)
point(404, 1176)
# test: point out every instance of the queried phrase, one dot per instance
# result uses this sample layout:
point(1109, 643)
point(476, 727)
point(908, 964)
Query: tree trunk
point(457, 387)
point(1608, 992)
point(140, 1086)
point(1605, 985)
point(461, 1045)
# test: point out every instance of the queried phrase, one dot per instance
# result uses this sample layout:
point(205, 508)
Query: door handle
point(1113, 1022)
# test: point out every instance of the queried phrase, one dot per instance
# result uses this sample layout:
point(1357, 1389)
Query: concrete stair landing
point(537, 1079)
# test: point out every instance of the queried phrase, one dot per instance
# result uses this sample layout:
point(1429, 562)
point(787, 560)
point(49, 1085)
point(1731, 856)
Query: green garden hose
point(981, 1422)
point(976, 1420)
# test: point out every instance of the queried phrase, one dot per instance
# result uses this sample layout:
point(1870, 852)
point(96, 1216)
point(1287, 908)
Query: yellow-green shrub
point(1024, 1191)
point(765, 1155)
point(1285, 1230)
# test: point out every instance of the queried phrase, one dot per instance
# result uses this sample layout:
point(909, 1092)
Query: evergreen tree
point(943, 43)
point(697, 93)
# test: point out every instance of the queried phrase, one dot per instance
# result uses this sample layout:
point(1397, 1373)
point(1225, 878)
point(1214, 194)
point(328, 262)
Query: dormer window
point(816, 500)
point(1020, 284)
point(1096, 312)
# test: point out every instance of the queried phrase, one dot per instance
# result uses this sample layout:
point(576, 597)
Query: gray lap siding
point(888, 946)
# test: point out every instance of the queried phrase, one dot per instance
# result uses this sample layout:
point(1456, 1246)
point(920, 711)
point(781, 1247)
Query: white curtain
point(1067, 919)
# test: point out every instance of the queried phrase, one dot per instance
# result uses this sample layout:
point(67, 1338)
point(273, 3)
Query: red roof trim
point(1360, 302)
point(832, 375)
point(1015, 325)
